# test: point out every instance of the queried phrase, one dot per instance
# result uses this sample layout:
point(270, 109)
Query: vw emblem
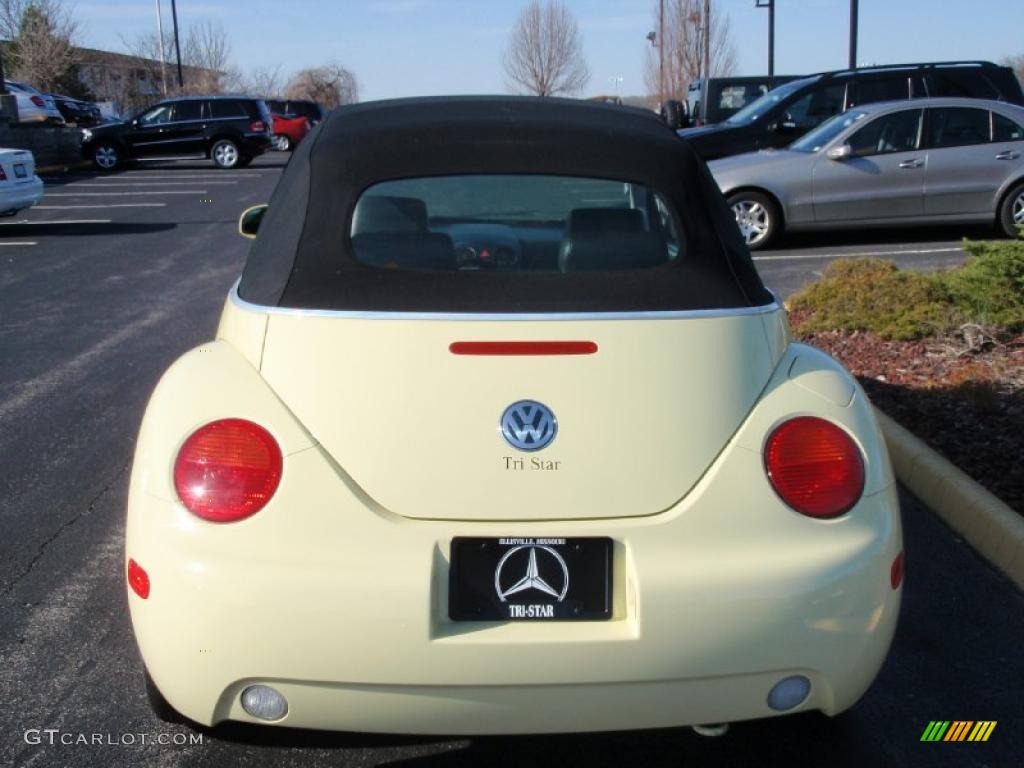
point(540, 568)
point(528, 425)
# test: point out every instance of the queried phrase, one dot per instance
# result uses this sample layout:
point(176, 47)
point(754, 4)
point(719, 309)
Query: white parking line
point(55, 221)
point(912, 252)
point(23, 242)
point(99, 205)
point(138, 183)
point(121, 194)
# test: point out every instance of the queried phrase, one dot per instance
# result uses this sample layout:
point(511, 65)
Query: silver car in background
point(33, 106)
point(926, 161)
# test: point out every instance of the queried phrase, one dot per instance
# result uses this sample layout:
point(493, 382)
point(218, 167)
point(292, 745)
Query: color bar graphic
point(958, 730)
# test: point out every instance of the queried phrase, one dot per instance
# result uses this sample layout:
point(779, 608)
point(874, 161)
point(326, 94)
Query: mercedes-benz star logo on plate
point(528, 425)
point(538, 568)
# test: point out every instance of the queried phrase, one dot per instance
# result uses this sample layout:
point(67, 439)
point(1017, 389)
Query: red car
point(289, 131)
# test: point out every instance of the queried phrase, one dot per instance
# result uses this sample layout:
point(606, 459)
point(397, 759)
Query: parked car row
point(37, 107)
point(898, 145)
point(33, 106)
point(786, 113)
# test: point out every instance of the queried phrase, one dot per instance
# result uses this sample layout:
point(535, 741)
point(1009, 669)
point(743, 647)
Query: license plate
point(516, 579)
point(19, 171)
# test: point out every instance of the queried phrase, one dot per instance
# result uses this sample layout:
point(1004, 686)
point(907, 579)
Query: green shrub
point(989, 288)
point(873, 295)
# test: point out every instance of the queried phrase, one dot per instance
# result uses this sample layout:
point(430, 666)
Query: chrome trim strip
point(241, 303)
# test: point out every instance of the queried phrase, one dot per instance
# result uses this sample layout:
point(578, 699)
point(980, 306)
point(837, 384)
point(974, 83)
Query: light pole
point(617, 82)
point(661, 51)
point(853, 34)
point(655, 42)
point(163, 58)
point(177, 44)
point(770, 5)
point(707, 39)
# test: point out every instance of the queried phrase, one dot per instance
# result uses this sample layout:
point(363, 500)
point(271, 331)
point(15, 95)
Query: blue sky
point(420, 47)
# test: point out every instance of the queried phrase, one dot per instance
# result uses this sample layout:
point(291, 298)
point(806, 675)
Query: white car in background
point(20, 188)
point(33, 106)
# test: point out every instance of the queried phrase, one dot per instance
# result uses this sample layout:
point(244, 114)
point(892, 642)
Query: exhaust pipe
point(711, 731)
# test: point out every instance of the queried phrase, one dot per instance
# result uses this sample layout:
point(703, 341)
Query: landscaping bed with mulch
point(942, 353)
point(967, 404)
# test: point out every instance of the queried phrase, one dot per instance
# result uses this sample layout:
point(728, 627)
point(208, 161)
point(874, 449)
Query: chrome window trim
point(680, 314)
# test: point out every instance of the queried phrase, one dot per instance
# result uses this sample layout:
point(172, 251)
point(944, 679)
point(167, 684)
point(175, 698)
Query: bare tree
point(330, 85)
point(208, 49)
point(264, 82)
point(205, 54)
point(41, 34)
point(545, 54)
point(146, 48)
point(1016, 63)
point(683, 48)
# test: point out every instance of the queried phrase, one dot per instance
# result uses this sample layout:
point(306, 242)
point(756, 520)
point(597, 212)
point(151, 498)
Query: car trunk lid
point(639, 420)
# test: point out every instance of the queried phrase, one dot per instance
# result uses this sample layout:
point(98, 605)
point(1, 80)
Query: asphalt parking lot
point(112, 277)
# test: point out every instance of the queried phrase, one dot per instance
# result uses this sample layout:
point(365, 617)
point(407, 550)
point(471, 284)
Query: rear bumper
point(21, 196)
point(342, 607)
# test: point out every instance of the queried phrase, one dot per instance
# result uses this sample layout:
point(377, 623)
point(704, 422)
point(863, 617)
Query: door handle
point(1010, 154)
point(915, 163)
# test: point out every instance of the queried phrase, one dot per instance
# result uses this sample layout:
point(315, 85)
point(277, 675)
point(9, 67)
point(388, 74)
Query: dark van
point(784, 114)
point(715, 99)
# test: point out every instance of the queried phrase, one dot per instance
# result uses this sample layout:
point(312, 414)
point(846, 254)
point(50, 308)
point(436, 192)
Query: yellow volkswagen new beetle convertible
point(502, 433)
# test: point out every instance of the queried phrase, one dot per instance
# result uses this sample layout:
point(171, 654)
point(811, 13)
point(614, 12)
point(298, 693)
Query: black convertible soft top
point(303, 256)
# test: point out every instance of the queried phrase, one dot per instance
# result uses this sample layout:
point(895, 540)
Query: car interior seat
point(609, 238)
point(392, 232)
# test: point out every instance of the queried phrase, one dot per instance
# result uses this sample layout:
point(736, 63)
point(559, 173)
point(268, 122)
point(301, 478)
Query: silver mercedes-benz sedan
point(926, 161)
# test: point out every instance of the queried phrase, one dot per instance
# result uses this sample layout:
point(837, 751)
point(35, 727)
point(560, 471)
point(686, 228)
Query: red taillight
point(257, 126)
point(37, 101)
point(814, 466)
point(896, 571)
point(138, 579)
point(227, 470)
point(3, 174)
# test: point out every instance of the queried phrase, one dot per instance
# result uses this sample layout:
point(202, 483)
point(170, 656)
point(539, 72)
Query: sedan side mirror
point(249, 221)
point(842, 152)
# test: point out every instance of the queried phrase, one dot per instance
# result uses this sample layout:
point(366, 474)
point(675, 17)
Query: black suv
point(230, 130)
point(784, 114)
point(298, 107)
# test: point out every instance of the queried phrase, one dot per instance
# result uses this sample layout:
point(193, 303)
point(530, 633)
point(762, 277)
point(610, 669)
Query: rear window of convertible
point(514, 223)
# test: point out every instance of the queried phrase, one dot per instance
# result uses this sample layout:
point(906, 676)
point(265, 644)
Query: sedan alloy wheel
point(757, 218)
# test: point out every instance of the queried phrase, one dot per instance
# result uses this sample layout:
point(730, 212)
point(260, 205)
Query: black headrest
point(595, 251)
point(604, 220)
point(405, 250)
point(378, 213)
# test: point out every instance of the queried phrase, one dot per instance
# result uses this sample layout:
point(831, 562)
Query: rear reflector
point(138, 579)
point(227, 470)
point(522, 348)
point(896, 572)
point(814, 466)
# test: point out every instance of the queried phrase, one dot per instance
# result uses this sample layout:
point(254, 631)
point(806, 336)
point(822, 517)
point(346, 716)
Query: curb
point(981, 518)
